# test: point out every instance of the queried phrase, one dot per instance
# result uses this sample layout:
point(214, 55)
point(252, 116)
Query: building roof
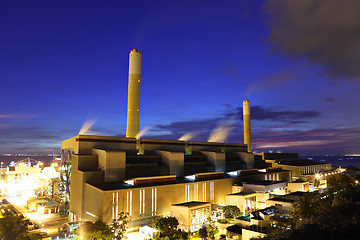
point(235, 229)
point(109, 186)
point(262, 182)
point(47, 204)
point(291, 197)
point(242, 193)
point(191, 204)
point(266, 211)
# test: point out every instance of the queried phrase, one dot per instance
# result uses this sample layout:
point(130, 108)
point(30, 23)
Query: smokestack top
point(246, 107)
point(135, 50)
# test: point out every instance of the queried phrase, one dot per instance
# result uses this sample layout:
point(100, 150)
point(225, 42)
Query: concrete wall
point(216, 159)
point(92, 210)
point(83, 144)
point(239, 200)
point(248, 234)
point(147, 146)
point(113, 163)
point(158, 204)
point(203, 146)
point(248, 158)
point(298, 186)
point(263, 188)
point(78, 180)
point(284, 206)
point(174, 160)
point(182, 214)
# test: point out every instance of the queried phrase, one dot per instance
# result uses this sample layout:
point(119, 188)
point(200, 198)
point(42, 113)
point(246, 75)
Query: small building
point(264, 186)
point(284, 203)
point(253, 232)
point(46, 207)
point(32, 203)
point(262, 217)
point(245, 200)
point(300, 167)
point(254, 194)
point(191, 215)
point(298, 186)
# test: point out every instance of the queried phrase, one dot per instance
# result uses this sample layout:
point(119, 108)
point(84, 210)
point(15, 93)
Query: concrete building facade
point(146, 177)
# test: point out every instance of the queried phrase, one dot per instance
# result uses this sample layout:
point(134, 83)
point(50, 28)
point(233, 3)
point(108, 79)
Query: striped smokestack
point(133, 110)
point(247, 127)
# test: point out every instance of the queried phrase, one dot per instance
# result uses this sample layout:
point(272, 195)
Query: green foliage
point(118, 225)
point(94, 231)
point(352, 169)
point(212, 230)
point(166, 224)
point(222, 237)
point(208, 230)
point(202, 233)
point(231, 211)
point(13, 227)
point(100, 231)
point(174, 235)
point(334, 214)
point(224, 221)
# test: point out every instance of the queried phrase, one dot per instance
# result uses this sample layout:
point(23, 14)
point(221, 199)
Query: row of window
point(154, 195)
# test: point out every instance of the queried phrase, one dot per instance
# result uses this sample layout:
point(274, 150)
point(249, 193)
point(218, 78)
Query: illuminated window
point(142, 202)
point(129, 202)
point(117, 205)
point(196, 191)
point(153, 201)
point(113, 210)
point(204, 191)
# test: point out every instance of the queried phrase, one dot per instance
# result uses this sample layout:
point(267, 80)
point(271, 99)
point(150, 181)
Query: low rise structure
point(191, 215)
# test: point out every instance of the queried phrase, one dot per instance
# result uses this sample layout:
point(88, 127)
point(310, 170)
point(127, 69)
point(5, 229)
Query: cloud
point(325, 32)
point(259, 113)
point(229, 68)
point(16, 115)
point(318, 140)
point(268, 82)
point(204, 127)
point(330, 99)
point(182, 127)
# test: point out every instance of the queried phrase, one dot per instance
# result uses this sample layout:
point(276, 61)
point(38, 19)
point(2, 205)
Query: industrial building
point(300, 168)
point(148, 178)
point(108, 175)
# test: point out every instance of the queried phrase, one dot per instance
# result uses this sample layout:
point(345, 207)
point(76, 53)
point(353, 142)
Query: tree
point(208, 230)
point(13, 227)
point(211, 229)
point(166, 224)
point(334, 214)
point(202, 233)
point(231, 211)
point(118, 225)
point(94, 231)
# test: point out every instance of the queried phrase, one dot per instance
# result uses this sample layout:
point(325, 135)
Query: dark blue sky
point(65, 62)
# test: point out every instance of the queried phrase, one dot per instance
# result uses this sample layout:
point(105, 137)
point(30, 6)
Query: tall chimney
point(247, 127)
point(133, 110)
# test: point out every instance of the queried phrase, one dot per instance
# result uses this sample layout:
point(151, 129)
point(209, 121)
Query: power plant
point(133, 110)
point(146, 177)
point(247, 126)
